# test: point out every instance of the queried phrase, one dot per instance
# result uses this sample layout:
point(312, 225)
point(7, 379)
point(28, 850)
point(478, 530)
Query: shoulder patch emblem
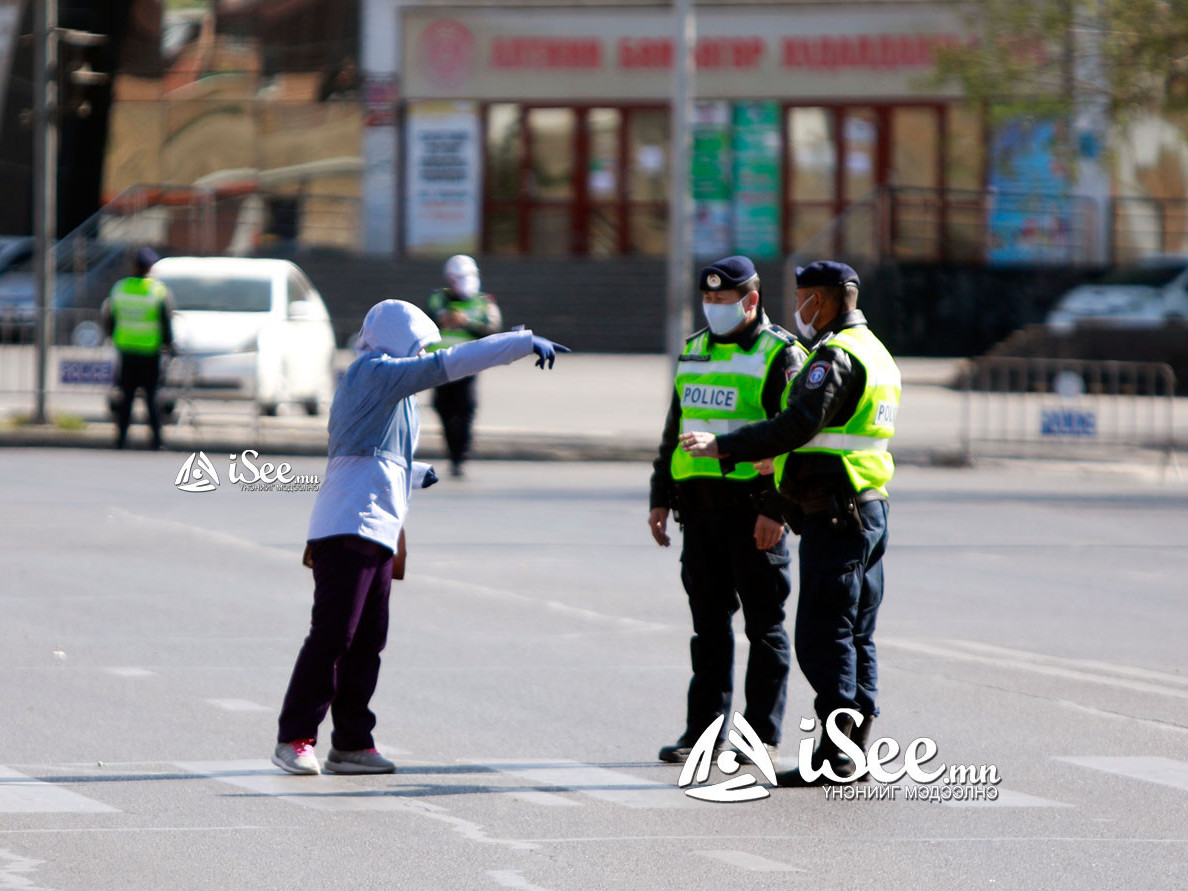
point(816, 374)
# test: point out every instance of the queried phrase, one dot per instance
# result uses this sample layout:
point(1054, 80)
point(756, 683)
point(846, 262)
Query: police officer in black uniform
point(837, 421)
point(734, 539)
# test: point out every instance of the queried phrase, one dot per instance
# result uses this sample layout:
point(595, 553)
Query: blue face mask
point(724, 317)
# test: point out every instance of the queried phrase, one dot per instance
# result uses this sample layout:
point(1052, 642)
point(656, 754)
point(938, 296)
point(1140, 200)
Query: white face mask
point(806, 329)
point(724, 317)
point(465, 286)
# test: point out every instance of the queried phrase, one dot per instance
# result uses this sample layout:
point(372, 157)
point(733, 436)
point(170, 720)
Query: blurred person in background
point(463, 313)
point(137, 317)
point(357, 527)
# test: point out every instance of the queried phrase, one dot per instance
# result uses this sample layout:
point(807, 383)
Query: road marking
point(14, 868)
point(211, 535)
point(1164, 771)
point(624, 622)
point(512, 878)
point(597, 782)
point(278, 827)
point(1025, 665)
point(130, 671)
point(753, 862)
point(239, 705)
point(544, 799)
point(20, 794)
point(1009, 798)
point(1108, 667)
point(326, 792)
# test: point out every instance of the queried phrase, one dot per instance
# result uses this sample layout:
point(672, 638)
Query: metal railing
point(1142, 227)
point(1067, 408)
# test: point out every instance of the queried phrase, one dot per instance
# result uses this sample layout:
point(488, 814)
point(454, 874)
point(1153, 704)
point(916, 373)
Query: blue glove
point(546, 351)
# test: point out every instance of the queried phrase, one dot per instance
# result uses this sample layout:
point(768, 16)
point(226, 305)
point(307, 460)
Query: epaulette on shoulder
point(782, 333)
point(696, 334)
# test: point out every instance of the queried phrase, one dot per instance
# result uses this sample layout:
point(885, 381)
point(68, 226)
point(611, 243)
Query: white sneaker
point(358, 761)
point(296, 756)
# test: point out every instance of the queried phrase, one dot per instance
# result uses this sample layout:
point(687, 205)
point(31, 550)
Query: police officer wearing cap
point(137, 316)
point(833, 465)
point(735, 547)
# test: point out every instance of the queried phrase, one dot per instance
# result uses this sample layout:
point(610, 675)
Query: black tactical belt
point(828, 503)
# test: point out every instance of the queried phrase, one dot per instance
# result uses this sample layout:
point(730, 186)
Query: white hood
point(396, 328)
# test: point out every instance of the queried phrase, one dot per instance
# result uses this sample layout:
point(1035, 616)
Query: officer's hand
point(658, 523)
point(546, 350)
point(700, 445)
point(767, 532)
point(766, 467)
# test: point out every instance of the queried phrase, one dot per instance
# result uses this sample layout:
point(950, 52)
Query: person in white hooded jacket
point(357, 522)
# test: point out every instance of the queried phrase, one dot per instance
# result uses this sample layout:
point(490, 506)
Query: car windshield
point(209, 294)
point(1150, 274)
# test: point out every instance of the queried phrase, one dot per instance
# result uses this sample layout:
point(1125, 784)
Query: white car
point(255, 327)
point(1145, 294)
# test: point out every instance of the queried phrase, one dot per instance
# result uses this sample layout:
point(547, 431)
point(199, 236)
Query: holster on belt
point(842, 510)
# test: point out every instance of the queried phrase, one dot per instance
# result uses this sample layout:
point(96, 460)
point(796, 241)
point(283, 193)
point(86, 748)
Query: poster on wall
point(442, 177)
point(709, 168)
point(1031, 217)
point(756, 153)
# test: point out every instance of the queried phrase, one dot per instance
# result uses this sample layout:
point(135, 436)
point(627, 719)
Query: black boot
point(826, 751)
point(860, 734)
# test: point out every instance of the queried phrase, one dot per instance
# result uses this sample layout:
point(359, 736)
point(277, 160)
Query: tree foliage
point(1130, 56)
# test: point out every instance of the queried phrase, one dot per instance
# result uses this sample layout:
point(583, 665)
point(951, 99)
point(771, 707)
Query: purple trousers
point(339, 662)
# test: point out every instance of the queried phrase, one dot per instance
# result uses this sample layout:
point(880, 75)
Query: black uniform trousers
point(841, 587)
point(720, 566)
point(138, 372)
point(455, 403)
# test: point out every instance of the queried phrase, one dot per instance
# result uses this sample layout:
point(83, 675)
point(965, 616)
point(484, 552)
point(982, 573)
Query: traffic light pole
point(680, 248)
point(45, 183)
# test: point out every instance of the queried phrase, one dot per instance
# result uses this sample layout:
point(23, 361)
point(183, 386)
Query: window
point(584, 180)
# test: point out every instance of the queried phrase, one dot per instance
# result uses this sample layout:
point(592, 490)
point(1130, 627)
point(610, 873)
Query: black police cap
point(146, 257)
point(824, 273)
point(726, 274)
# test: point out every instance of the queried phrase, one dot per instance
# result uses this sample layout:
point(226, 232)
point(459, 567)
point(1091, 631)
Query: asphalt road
point(1035, 620)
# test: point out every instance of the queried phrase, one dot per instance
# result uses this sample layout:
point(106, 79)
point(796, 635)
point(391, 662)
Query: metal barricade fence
point(1068, 408)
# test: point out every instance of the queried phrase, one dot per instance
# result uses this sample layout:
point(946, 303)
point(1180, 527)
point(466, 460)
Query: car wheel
point(268, 408)
point(312, 407)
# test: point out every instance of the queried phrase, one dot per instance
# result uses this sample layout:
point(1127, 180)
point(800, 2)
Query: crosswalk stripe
point(239, 705)
point(597, 782)
point(753, 862)
point(326, 792)
point(130, 671)
point(1151, 769)
point(20, 794)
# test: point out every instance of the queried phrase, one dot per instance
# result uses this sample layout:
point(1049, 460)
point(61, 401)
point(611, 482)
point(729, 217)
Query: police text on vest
point(702, 396)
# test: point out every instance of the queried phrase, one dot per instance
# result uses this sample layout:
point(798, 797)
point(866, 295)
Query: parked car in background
point(255, 327)
point(1145, 294)
point(85, 270)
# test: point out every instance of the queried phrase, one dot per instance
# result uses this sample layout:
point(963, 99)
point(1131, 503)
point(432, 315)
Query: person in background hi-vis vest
point(463, 313)
point(735, 546)
point(832, 463)
point(137, 316)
